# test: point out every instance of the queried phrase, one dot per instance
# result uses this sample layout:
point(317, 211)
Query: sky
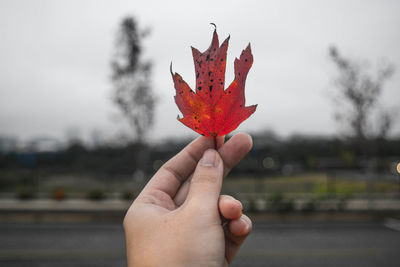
point(55, 60)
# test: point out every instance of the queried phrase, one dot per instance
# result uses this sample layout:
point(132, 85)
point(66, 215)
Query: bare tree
point(131, 79)
point(358, 94)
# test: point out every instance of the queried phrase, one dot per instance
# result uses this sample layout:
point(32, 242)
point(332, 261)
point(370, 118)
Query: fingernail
point(209, 158)
point(245, 223)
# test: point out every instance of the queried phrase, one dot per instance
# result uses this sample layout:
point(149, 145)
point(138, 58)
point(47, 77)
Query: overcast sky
point(54, 59)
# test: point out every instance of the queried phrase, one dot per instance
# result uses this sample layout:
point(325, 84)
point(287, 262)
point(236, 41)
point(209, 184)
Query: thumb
point(206, 183)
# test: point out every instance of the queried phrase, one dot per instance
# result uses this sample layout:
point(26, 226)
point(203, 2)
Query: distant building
point(44, 144)
point(8, 144)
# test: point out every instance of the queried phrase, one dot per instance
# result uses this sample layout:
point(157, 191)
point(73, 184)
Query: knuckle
point(205, 178)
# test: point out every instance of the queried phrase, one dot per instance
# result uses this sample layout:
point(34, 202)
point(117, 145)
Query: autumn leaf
point(211, 110)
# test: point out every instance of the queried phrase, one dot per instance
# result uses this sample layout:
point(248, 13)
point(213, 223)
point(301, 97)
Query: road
point(285, 244)
point(321, 244)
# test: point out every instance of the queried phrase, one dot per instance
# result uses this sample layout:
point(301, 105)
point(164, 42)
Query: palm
point(164, 200)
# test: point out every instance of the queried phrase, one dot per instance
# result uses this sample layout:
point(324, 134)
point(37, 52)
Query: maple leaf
point(211, 110)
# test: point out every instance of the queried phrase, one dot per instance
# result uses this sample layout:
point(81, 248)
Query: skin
point(180, 218)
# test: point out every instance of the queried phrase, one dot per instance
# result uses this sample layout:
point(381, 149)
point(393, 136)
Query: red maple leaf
point(211, 110)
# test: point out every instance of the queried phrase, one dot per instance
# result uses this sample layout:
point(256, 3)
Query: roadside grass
point(318, 185)
point(307, 183)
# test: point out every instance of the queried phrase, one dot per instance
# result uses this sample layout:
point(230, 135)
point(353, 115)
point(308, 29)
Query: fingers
point(234, 150)
point(238, 227)
point(173, 173)
point(235, 234)
point(231, 153)
point(229, 207)
point(206, 183)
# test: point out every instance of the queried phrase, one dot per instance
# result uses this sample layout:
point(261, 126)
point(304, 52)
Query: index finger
point(231, 152)
point(175, 171)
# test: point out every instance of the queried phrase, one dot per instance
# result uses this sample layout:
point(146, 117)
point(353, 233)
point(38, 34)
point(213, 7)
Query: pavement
point(321, 244)
point(311, 244)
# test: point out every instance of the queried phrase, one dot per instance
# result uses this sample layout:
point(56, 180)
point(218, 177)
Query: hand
point(180, 219)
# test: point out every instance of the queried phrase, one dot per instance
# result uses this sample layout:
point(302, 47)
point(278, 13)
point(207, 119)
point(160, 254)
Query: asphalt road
point(287, 244)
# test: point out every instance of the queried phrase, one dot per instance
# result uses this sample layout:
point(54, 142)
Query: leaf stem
point(215, 143)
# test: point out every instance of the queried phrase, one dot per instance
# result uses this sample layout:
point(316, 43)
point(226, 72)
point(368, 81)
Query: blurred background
point(87, 116)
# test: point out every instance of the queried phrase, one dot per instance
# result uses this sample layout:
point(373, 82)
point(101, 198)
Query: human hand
point(176, 219)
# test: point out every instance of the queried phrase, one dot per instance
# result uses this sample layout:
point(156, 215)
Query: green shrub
point(309, 206)
point(341, 205)
point(25, 193)
point(251, 205)
point(128, 195)
point(278, 202)
point(95, 195)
